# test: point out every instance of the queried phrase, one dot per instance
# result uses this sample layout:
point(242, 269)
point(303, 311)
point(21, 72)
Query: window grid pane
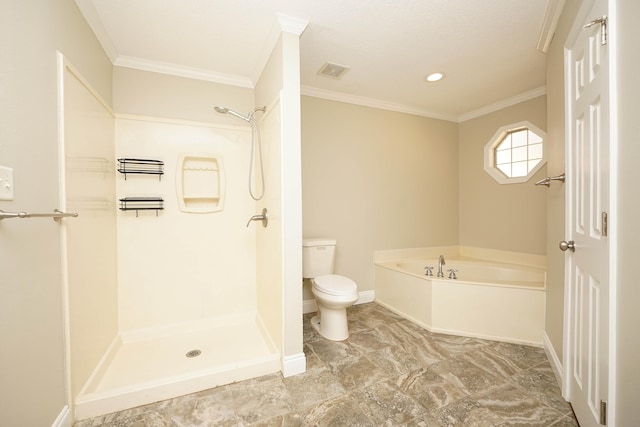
point(518, 153)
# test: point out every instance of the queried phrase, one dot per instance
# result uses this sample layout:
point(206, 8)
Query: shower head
point(225, 110)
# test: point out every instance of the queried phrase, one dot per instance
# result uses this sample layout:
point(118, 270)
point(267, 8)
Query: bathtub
point(490, 299)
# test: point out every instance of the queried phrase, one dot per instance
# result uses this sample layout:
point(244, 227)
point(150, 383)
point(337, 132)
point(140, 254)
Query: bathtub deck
point(144, 369)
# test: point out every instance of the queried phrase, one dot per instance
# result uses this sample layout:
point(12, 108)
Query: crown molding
point(526, 96)
point(182, 71)
point(291, 24)
point(549, 24)
point(90, 14)
point(373, 103)
point(401, 108)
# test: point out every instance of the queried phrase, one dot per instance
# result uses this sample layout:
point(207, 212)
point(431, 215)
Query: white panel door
point(586, 346)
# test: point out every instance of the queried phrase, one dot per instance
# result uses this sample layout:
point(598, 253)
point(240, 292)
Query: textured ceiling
point(485, 48)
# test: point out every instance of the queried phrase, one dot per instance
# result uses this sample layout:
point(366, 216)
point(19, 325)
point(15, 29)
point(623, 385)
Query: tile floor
point(389, 372)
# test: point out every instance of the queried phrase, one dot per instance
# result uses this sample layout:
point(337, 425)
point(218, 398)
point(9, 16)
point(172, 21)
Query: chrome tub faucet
point(440, 264)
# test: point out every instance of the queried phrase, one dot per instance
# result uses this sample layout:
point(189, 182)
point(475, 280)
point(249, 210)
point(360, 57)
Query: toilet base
point(331, 324)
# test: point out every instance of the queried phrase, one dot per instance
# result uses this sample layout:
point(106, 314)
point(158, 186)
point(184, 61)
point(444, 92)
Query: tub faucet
point(264, 218)
point(440, 264)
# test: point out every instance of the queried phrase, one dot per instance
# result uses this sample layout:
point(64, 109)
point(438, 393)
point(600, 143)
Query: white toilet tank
point(318, 257)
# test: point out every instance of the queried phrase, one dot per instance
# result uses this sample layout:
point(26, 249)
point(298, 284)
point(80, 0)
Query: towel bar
point(56, 215)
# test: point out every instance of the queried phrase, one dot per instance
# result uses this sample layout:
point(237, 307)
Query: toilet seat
point(334, 284)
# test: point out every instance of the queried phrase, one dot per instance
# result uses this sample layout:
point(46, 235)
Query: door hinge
point(603, 412)
point(604, 219)
point(603, 28)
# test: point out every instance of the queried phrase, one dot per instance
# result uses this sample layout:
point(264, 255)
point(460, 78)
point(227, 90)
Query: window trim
point(490, 153)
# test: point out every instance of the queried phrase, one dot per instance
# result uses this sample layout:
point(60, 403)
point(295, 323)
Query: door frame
point(576, 27)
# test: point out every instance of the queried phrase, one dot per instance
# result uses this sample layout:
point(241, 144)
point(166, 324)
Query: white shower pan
point(150, 365)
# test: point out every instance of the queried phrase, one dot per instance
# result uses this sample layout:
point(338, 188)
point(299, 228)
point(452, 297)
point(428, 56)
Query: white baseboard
point(556, 365)
point(366, 296)
point(64, 418)
point(309, 305)
point(294, 365)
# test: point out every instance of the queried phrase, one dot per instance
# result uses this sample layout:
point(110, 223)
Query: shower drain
point(193, 353)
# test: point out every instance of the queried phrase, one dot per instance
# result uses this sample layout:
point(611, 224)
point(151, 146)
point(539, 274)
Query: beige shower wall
point(376, 179)
point(510, 217)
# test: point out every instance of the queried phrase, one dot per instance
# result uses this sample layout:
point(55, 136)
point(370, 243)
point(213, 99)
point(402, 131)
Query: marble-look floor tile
point(456, 344)
point(215, 408)
point(414, 330)
point(357, 372)
point(372, 315)
point(566, 422)
point(333, 352)
point(261, 398)
point(540, 382)
point(313, 361)
point(426, 351)
point(388, 405)
point(492, 361)
point(147, 419)
point(517, 408)
point(393, 361)
point(395, 334)
point(523, 356)
point(389, 372)
point(429, 389)
point(312, 387)
point(466, 375)
point(342, 411)
point(368, 340)
point(466, 412)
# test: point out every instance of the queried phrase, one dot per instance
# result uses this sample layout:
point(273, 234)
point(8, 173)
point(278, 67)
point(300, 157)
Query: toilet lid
point(334, 284)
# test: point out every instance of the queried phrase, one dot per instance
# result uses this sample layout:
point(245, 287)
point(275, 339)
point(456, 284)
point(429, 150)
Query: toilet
point(333, 293)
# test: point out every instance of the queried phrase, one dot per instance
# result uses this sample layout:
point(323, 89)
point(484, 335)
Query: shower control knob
point(570, 245)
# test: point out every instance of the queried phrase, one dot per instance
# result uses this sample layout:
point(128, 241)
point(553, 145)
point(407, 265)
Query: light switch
point(6, 183)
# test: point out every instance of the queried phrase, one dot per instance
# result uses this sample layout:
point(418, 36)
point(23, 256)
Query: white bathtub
point(489, 299)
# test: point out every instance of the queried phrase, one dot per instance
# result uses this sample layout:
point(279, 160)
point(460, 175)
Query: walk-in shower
point(255, 130)
point(163, 305)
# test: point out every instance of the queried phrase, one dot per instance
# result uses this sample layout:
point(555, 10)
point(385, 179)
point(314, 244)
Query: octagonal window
point(515, 153)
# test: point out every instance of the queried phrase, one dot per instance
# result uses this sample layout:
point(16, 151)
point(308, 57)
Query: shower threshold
point(150, 365)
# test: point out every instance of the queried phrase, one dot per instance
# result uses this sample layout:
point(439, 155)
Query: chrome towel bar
point(547, 181)
point(56, 215)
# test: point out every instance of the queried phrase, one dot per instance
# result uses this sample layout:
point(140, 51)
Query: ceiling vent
point(333, 71)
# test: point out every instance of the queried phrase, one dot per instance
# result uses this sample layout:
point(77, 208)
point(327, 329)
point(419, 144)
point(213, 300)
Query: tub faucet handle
point(452, 273)
point(429, 271)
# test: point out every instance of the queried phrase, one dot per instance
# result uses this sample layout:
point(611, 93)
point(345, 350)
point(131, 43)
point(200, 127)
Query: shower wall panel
point(175, 266)
point(91, 237)
point(269, 240)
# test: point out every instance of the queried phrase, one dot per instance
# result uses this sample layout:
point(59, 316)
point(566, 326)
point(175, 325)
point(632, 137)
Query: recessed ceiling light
point(334, 71)
point(434, 77)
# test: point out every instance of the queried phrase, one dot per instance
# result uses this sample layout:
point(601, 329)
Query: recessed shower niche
point(200, 183)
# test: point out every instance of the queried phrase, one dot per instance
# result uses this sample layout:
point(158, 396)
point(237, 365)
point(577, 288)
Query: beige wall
point(510, 217)
point(376, 179)
point(146, 93)
point(32, 389)
point(628, 214)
